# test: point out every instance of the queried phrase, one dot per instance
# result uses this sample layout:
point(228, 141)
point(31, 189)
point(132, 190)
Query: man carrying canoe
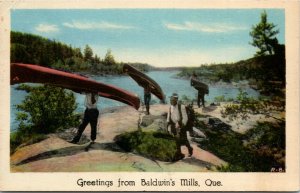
point(201, 91)
point(147, 98)
point(91, 114)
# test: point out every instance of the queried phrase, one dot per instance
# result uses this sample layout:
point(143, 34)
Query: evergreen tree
point(263, 35)
point(109, 58)
point(88, 53)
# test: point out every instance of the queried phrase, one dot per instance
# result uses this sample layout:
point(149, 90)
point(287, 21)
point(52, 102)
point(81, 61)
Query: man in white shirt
point(91, 114)
point(177, 119)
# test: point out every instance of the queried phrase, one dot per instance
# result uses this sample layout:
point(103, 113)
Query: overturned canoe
point(22, 73)
point(200, 86)
point(143, 80)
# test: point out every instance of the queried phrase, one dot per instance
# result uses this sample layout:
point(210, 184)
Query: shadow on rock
point(194, 161)
point(209, 109)
point(197, 162)
point(69, 151)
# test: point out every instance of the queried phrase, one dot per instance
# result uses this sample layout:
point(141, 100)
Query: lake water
point(165, 79)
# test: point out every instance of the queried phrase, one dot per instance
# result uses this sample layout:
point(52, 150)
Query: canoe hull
point(142, 80)
point(200, 86)
point(22, 73)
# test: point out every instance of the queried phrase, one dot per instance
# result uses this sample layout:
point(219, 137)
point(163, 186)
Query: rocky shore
point(55, 154)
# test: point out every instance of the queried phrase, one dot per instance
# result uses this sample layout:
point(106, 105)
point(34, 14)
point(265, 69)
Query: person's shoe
point(73, 141)
point(190, 151)
point(178, 156)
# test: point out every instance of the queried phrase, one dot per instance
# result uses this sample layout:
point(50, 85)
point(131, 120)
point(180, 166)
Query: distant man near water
point(177, 119)
point(91, 114)
point(201, 92)
point(147, 98)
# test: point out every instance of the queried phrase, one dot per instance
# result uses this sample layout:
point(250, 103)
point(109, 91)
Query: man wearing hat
point(177, 119)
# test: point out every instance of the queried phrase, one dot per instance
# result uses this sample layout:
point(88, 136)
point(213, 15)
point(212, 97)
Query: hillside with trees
point(33, 49)
point(265, 71)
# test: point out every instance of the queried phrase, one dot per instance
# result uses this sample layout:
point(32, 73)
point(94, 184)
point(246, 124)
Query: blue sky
point(160, 37)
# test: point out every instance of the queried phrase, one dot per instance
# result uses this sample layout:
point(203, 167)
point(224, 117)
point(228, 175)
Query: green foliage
point(263, 35)
point(109, 59)
point(28, 48)
point(47, 108)
point(33, 49)
point(142, 67)
point(260, 149)
point(184, 99)
point(266, 134)
point(88, 53)
point(24, 137)
point(220, 98)
point(152, 144)
point(261, 70)
point(267, 67)
point(248, 105)
point(44, 110)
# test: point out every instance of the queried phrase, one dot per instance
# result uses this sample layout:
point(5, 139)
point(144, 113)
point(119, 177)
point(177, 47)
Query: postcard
point(149, 95)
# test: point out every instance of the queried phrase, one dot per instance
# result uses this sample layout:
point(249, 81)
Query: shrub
point(152, 144)
point(220, 98)
point(258, 150)
point(44, 110)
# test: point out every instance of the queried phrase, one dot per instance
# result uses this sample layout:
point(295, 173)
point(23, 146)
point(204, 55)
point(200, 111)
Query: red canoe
point(22, 73)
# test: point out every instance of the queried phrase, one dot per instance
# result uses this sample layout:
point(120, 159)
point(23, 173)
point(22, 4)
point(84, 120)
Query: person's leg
point(185, 141)
point(81, 128)
point(198, 99)
point(147, 98)
point(178, 154)
point(190, 148)
point(148, 103)
point(203, 102)
point(93, 121)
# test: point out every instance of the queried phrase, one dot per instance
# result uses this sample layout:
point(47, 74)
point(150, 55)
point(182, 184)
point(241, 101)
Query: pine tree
point(88, 53)
point(109, 58)
point(263, 35)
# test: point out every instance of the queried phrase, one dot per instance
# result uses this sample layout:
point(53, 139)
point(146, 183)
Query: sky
point(159, 37)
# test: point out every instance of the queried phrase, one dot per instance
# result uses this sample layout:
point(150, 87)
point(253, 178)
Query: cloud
point(205, 27)
point(95, 25)
point(46, 28)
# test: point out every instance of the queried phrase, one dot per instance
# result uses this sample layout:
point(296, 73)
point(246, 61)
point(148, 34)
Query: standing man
point(177, 119)
point(201, 91)
point(147, 98)
point(201, 94)
point(91, 114)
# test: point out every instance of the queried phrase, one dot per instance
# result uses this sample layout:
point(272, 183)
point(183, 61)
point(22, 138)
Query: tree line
point(34, 49)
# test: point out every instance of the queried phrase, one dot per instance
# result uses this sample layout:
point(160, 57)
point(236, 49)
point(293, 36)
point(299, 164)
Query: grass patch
point(153, 144)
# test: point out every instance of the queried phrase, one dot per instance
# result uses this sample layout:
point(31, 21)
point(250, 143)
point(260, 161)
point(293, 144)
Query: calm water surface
point(165, 79)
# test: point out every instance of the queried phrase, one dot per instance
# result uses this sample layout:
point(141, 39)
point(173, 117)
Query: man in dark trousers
point(147, 98)
point(201, 92)
point(90, 116)
point(177, 119)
